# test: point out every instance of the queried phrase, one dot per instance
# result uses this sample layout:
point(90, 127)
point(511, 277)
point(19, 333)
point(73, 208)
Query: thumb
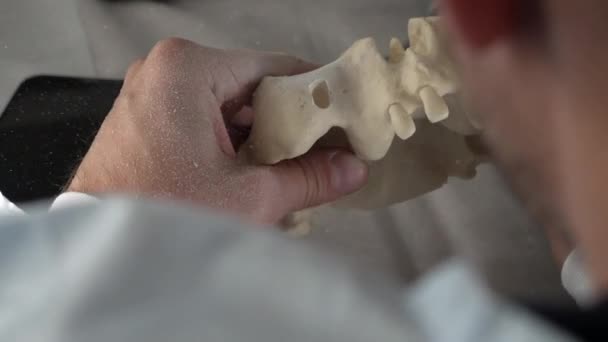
point(319, 177)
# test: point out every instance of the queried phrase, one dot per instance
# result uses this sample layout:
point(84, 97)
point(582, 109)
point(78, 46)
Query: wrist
point(74, 184)
point(88, 180)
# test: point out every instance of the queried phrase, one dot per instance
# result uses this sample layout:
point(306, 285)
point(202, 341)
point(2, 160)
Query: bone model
point(371, 100)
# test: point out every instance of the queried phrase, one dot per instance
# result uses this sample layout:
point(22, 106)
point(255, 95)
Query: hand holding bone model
point(173, 134)
point(371, 99)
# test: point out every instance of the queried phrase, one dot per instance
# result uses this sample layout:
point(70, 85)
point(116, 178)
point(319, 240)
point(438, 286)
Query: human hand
point(174, 133)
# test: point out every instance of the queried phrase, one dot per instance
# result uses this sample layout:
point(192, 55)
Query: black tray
point(45, 131)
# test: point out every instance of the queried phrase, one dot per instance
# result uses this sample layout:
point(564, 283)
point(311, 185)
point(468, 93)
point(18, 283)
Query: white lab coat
point(123, 270)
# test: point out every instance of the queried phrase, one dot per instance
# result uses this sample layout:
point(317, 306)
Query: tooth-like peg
point(434, 105)
point(396, 51)
point(402, 122)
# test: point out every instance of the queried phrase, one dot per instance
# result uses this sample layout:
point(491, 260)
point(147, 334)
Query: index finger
point(240, 71)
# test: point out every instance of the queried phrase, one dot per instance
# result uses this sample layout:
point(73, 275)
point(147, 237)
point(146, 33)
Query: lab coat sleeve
point(65, 200)
point(573, 275)
point(7, 207)
point(122, 270)
point(72, 199)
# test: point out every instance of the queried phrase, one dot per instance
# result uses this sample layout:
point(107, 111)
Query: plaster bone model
point(370, 98)
point(411, 168)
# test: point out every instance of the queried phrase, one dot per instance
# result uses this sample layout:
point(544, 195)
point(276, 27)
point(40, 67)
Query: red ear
point(481, 22)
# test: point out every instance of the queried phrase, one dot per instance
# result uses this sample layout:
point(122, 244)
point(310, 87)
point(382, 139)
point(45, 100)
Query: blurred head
point(538, 71)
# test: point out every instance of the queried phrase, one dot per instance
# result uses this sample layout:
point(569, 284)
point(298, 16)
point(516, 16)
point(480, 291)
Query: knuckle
point(133, 68)
point(169, 47)
point(169, 53)
point(136, 64)
point(167, 66)
point(175, 62)
point(316, 181)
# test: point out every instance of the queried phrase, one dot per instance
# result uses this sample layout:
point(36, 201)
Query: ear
point(479, 23)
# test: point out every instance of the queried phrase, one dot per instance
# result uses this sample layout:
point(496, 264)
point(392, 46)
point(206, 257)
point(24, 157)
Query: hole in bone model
point(320, 94)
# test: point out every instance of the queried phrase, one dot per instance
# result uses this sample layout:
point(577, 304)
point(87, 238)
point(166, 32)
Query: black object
point(45, 131)
point(583, 324)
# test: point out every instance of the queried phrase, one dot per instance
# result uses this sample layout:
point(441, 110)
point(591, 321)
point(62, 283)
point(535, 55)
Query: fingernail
point(348, 173)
